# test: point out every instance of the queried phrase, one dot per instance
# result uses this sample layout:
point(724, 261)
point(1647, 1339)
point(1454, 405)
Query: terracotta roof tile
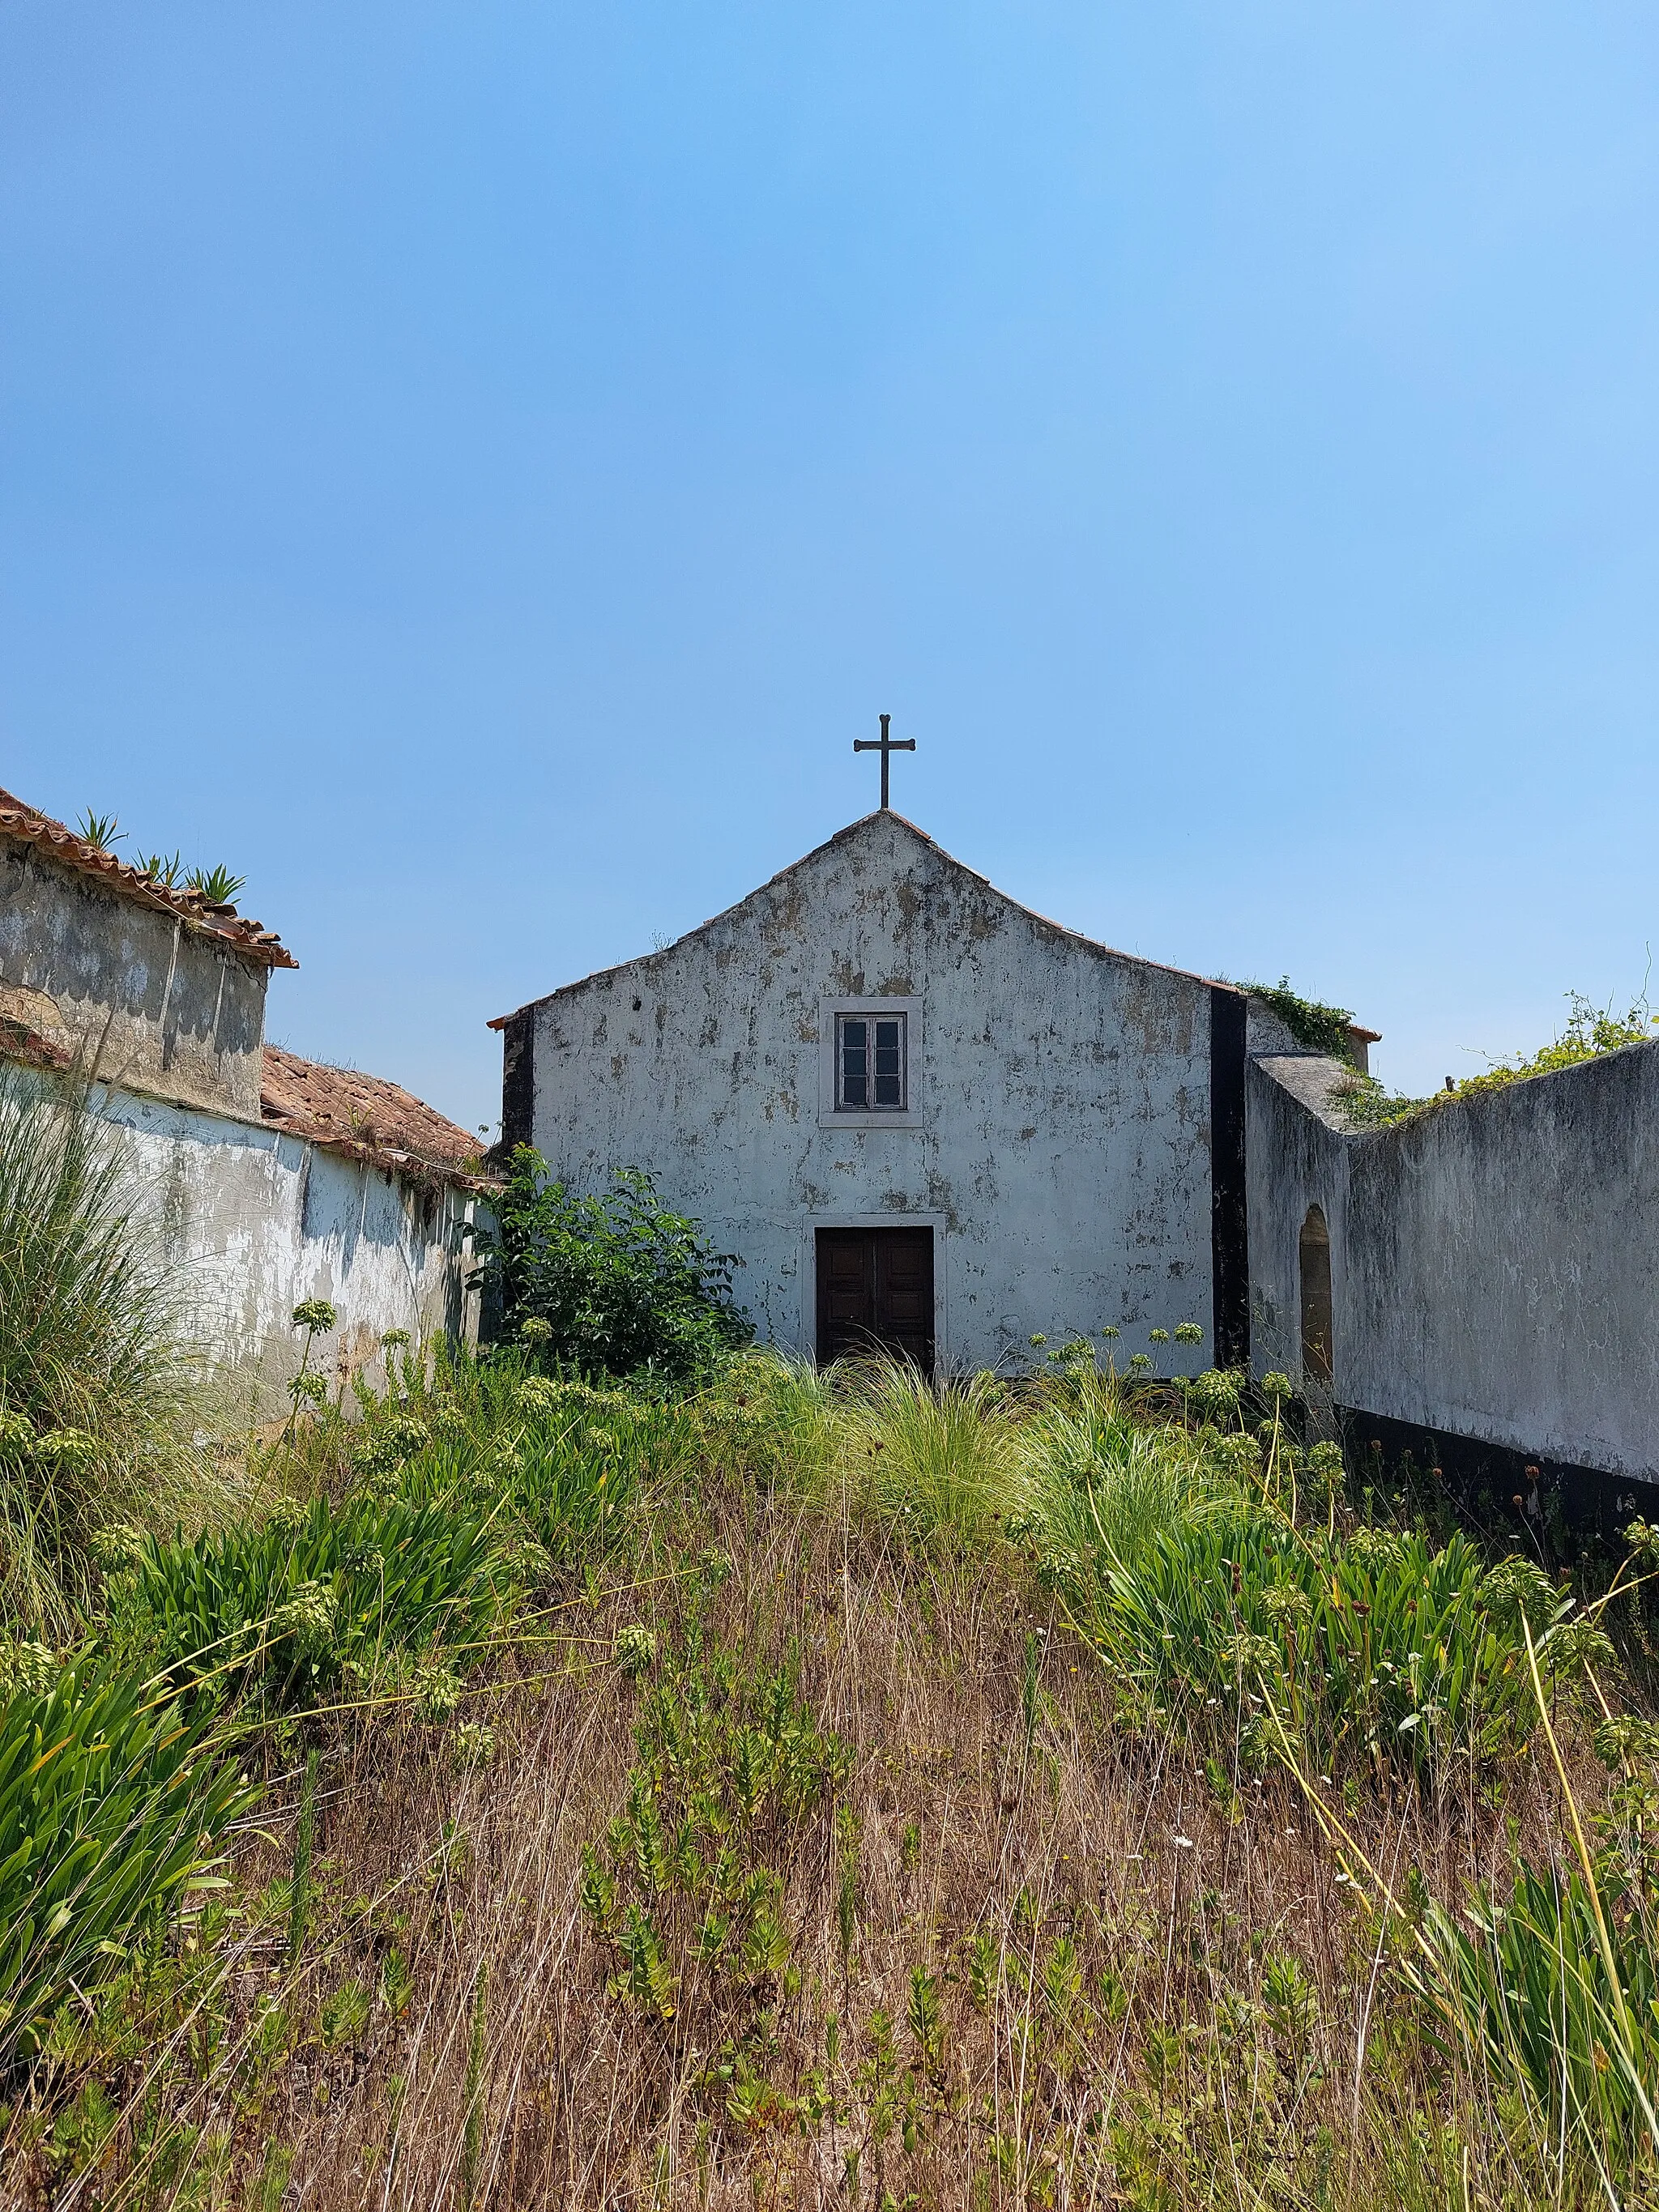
point(31, 827)
point(365, 1116)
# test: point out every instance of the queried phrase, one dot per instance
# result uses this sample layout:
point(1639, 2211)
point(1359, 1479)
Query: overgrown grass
point(847, 1790)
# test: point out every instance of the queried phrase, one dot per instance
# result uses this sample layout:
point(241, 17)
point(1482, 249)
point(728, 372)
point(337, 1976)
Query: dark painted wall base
point(1552, 1493)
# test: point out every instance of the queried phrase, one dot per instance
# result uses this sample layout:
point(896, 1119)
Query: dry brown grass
point(1178, 2080)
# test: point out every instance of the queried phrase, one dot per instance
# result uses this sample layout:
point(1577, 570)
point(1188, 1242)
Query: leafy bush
point(285, 1610)
point(112, 1803)
point(611, 1284)
point(95, 1411)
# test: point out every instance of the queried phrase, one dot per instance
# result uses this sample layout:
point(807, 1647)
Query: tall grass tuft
point(1558, 1993)
point(778, 1418)
point(95, 1398)
point(1105, 1483)
point(935, 1459)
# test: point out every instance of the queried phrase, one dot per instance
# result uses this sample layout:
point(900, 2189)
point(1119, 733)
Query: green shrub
point(283, 1612)
point(687, 1888)
point(608, 1285)
point(112, 1804)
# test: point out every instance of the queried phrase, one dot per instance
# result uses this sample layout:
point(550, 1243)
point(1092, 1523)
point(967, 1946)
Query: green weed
point(113, 1806)
point(284, 1613)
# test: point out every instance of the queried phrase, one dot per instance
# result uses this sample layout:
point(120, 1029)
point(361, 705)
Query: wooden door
point(876, 1294)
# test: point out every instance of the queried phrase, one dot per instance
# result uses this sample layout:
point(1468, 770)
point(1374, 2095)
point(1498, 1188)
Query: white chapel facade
point(917, 1112)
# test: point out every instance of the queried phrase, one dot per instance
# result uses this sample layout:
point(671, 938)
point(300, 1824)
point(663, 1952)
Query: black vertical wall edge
point(518, 1081)
point(1229, 1247)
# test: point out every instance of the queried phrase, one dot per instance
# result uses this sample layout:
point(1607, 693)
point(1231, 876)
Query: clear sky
point(476, 468)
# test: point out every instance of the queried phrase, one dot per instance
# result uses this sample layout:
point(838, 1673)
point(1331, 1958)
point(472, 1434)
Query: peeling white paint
point(1058, 1142)
point(258, 1221)
point(1494, 1263)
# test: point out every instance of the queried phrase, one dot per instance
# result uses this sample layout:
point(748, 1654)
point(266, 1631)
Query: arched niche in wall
point(1313, 1264)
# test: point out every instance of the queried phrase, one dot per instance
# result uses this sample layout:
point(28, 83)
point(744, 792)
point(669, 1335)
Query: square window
point(870, 1062)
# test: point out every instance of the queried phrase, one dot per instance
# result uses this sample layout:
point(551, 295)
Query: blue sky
point(476, 468)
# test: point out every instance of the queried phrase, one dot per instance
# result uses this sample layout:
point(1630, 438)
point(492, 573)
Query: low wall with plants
point(1493, 1269)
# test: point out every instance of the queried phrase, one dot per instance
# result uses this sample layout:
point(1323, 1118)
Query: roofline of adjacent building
point(28, 1048)
point(27, 825)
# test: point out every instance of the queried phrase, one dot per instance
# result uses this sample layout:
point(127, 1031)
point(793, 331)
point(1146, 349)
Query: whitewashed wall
point(1494, 1264)
point(1059, 1140)
point(261, 1221)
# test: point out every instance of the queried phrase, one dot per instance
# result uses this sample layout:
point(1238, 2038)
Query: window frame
point(872, 1073)
point(833, 1012)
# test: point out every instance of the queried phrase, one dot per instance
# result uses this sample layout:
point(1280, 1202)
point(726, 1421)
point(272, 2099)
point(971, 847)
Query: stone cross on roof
point(884, 745)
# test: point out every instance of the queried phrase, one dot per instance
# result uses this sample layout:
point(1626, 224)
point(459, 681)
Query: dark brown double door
point(876, 1294)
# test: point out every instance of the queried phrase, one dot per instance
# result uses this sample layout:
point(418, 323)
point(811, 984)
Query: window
point(870, 1063)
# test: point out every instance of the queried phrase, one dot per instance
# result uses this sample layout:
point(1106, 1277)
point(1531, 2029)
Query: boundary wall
point(1494, 1263)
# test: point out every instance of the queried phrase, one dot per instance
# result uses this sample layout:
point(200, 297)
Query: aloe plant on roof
point(217, 885)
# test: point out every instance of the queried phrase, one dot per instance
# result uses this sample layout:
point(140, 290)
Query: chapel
point(921, 1116)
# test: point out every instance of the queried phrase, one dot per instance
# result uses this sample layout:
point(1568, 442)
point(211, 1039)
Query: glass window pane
point(869, 1070)
point(855, 1086)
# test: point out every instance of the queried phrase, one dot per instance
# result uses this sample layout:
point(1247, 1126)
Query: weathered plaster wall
point(1495, 1264)
point(264, 1221)
point(1059, 1139)
point(179, 1011)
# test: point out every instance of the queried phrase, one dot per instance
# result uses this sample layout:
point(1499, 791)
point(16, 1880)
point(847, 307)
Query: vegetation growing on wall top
point(1318, 1027)
point(217, 885)
point(1590, 1032)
